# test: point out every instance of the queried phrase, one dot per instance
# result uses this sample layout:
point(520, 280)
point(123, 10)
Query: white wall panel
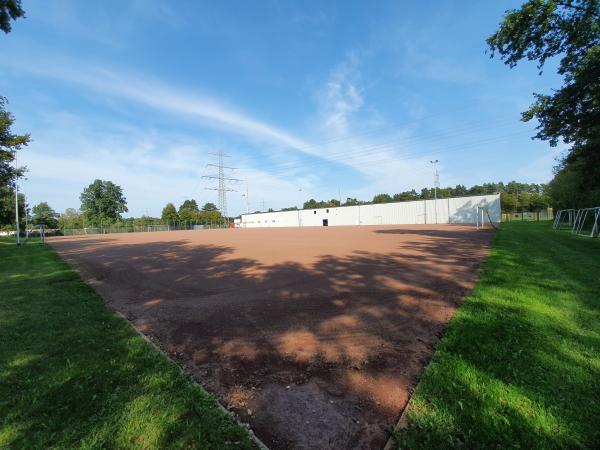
point(449, 210)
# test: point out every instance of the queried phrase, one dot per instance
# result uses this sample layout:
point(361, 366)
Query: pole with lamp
point(17, 200)
point(436, 182)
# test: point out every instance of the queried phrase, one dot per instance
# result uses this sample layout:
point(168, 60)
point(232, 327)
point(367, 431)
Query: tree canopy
point(71, 218)
point(10, 143)
point(7, 208)
point(209, 207)
point(103, 202)
point(43, 214)
point(190, 205)
point(169, 213)
point(514, 196)
point(382, 198)
point(312, 203)
point(570, 31)
point(9, 10)
point(188, 210)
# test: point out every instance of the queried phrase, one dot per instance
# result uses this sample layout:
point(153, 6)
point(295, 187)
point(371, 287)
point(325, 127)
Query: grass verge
point(75, 375)
point(519, 366)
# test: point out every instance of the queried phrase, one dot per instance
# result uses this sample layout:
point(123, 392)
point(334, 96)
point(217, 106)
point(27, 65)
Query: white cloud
point(341, 107)
point(341, 97)
point(152, 168)
point(378, 152)
point(156, 168)
point(155, 94)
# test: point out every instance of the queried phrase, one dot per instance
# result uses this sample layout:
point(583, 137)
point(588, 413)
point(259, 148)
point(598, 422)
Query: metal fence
point(171, 226)
point(525, 216)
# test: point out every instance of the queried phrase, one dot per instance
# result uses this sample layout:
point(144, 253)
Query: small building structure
point(462, 210)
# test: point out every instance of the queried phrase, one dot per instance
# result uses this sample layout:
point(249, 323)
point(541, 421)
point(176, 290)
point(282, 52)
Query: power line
point(388, 145)
point(379, 128)
point(284, 169)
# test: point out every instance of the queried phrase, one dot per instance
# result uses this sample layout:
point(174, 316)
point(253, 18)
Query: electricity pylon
point(222, 180)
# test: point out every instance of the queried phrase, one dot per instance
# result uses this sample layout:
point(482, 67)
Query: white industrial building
point(446, 210)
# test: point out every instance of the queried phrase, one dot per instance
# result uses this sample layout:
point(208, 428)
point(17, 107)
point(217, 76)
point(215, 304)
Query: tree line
point(102, 205)
point(103, 202)
point(189, 212)
point(514, 196)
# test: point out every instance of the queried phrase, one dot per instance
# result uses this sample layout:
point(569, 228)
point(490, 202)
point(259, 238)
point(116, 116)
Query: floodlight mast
point(246, 196)
point(17, 200)
point(436, 182)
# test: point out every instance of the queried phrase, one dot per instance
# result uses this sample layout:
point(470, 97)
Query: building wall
point(449, 210)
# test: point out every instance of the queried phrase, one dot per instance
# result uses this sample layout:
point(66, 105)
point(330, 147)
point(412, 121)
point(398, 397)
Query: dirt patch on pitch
point(315, 336)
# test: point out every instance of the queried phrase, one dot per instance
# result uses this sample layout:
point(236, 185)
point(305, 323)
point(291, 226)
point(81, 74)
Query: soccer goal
point(159, 228)
point(564, 218)
point(587, 220)
point(483, 219)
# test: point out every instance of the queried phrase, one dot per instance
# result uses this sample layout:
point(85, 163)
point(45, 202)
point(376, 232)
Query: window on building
point(327, 210)
point(314, 212)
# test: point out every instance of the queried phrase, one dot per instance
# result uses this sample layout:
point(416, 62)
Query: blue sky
point(308, 99)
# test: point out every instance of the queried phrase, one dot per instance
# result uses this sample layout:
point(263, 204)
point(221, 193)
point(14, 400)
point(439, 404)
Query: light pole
point(26, 219)
point(17, 200)
point(300, 207)
point(245, 195)
point(436, 181)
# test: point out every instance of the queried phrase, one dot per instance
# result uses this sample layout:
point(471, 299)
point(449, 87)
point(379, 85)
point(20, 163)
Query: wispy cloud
point(153, 168)
point(341, 106)
point(358, 136)
point(155, 94)
point(341, 96)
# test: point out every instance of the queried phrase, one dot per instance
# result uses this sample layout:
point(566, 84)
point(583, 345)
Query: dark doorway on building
point(325, 222)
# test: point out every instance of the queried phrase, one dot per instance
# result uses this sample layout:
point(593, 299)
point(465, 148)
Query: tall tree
point(169, 213)
point(43, 214)
point(189, 210)
point(71, 218)
point(209, 207)
point(190, 205)
point(351, 201)
point(10, 143)
point(382, 198)
point(103, 202)
point(570, 31)
point(9, 10)
point(310, 204)
point(7, 208)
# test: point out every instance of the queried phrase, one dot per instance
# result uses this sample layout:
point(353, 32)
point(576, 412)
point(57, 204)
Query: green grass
point(75, 375)
point(519, 366)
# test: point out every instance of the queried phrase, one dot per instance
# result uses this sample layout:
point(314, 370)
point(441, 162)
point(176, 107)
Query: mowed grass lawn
point(519, 366)
point(74, 375)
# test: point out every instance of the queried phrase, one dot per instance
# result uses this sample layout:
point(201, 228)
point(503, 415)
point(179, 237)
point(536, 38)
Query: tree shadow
point(345, 335)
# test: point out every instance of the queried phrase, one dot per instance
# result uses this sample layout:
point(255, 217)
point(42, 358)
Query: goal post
point(584, 218)
point(482, 215)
